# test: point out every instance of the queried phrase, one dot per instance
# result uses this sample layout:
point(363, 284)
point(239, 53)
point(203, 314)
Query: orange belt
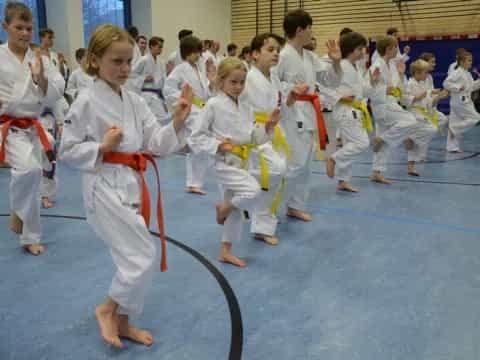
point(322, 128)
point(138, 162)
point(24, 123)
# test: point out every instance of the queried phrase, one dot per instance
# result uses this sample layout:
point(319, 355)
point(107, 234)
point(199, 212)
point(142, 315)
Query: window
point(98, 12)
point(38, 9)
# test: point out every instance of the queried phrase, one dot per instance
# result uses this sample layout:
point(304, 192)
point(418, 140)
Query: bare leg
point(223, 210)
point(108, 322)
point(16, 224)
point(411, 170)
point(46, 203)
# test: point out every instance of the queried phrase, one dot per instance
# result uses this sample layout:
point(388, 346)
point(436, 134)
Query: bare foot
point(46, 203)
point(411, 170)
point(128, 331)
point(195, 190)
point(231, 259)
point(377, 144)
point(16, 224)
point(108, 323)
point(299, 214)
point(223, 210)
point(379, 178)
point(34, 249)
point(330, 167)
point(269, 239)
point(346, 186)
point(227, 257)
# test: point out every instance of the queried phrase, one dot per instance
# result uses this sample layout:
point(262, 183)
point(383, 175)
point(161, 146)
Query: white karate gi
point(78, 81)
point(222, 118)
point(300, 125)
point(392, 122)
point(196, 164)
point(424, 130)
point(463, 115)
point(112, 192)
point(354, 135)
point(51, 118)
point(452, 67)
point(21, 98)
point(151, 91)
point(263, 95)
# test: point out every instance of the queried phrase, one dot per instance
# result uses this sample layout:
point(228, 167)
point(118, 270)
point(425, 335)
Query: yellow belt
point(279, 142)
point(430, 116)
point(278, 197)
point(397, 93)
point(198, 102)
point(243, 152)
point(366, 118)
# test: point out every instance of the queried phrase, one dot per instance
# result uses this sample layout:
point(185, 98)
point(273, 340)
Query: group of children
point(257, 125)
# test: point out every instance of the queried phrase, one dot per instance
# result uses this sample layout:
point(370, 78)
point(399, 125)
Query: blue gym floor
point(390, 273)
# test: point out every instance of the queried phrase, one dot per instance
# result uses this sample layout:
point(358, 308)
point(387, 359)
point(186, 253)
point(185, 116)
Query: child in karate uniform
point(226, 130)
point(463, 115)
point(304, 124)
point(148, 77)
point(109, 135)
point(422, 103)
point(263, 91)
point(79, 78)
point(28, 83)
point(350, 112)
point(188, 72)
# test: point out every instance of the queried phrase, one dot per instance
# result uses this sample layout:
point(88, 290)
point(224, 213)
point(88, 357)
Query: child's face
point(304, 35)
point(115, 65)
point(142, 44)
point(19, 33)
point(234, 83)
point(47, 41)
point(193, 57)
point(433, 63)
point(467, 63)
point(421, 75)
point(156, 50)
point(267, 57)
point(391, 51)
point(358, 53)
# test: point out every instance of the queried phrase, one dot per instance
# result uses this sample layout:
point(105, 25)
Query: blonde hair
point(226, 67)
point(464, 56)
point(419, 66)
point(384, 43)
point(102, 38)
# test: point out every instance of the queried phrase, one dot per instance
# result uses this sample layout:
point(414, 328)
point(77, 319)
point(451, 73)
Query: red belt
point(322, 128)
point(138, 162)
point(24, 123)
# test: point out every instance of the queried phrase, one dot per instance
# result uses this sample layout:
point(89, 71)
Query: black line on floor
point(236, 342)
point(410, 180)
